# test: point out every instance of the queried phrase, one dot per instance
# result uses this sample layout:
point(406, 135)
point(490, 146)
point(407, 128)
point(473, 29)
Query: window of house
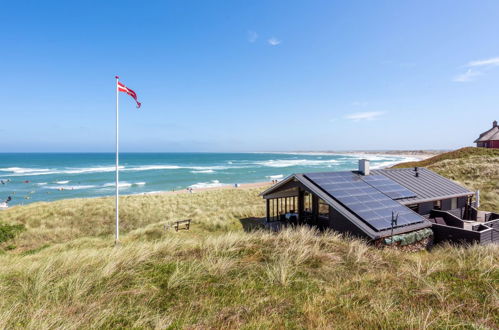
point(437, 205)
point(307, 201)
point(323, 208)
point(453, 203)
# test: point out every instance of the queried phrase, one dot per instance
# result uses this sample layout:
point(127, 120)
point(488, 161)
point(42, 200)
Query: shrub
point(8, 232)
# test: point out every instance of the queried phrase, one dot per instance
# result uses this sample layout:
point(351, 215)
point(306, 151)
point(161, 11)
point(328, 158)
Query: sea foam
point(203, 171)
point(296, 162)
point(211, 184)
point(275, 177)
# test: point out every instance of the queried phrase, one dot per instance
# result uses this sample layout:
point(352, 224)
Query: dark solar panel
point(388, 187)
point(362, 199)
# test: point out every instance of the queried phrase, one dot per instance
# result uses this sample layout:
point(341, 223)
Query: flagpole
point(117, 236)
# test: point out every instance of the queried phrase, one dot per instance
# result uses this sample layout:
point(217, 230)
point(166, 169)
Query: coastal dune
point(61, 268)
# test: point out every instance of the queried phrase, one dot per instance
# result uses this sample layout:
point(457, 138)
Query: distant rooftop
point(490, 135)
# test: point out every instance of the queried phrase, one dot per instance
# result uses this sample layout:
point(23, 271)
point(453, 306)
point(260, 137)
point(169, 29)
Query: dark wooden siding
point(461, 201)
point(446, 204)
point(342, 224)
point(454, 234)
point(425, 208)
point(495, 232)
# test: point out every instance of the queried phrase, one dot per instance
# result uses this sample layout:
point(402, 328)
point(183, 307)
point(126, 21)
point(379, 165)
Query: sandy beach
point(224, 187)
point(415, 154)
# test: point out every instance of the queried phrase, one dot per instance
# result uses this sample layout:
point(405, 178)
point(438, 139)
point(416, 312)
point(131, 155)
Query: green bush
point(8, 232)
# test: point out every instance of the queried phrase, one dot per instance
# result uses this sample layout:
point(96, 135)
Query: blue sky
point(248, 75)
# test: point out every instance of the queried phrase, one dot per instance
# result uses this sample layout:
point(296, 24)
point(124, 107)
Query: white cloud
point(252, 36)
point(274, 41)
point(371, 115)
point(488, 62)
point(473, 72)
point(469, 75)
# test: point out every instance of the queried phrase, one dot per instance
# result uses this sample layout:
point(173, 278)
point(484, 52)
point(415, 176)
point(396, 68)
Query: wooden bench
point(182, 224)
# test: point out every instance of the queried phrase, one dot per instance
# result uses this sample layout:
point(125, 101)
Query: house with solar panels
point(405, 204)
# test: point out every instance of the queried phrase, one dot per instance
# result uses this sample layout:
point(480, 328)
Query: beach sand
point(415, 154)
point(196, 190)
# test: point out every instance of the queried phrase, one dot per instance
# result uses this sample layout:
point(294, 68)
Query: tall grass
point(297, 278)
point(65, 220)
point(66, 272)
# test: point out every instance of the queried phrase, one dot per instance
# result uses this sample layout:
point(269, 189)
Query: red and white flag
point(124, 89)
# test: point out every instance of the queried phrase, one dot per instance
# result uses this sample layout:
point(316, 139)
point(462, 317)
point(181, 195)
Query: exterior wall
point(446, 204)
point(343, 225)
point(488, 144)
point(461, 201)
point(425, 208)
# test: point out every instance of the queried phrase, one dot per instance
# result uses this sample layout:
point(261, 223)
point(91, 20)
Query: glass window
point(323, 208)
point(307, 201)
point(453, 203)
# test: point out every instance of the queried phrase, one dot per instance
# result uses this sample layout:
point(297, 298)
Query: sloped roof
point(427, 186)
point(490, 135)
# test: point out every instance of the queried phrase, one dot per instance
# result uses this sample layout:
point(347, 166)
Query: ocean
point(34, 177)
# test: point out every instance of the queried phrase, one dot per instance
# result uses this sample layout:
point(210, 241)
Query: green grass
point(296, 279)
point(463, 153)
point(140, 215)
point(65, 271)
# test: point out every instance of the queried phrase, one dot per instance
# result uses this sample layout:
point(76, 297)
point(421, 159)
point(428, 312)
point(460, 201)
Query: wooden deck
point(447, 227)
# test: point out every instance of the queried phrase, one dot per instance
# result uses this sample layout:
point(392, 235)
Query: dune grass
point(462, 153)
point(294, 279)
point(64, 271)
point(61, 221)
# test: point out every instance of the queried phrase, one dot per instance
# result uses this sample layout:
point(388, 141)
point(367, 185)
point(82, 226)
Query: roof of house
point(427, 186)
point(490, 135)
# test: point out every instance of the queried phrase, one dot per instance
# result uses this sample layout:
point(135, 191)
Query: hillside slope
point(64, 271)
point(294, 279)
point(475, 168)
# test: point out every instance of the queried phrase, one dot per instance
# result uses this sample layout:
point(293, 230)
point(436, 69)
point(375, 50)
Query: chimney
point(494, 123)
point(364, 166)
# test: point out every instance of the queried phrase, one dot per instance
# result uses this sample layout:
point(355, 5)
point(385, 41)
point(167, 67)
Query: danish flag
point(123, 88)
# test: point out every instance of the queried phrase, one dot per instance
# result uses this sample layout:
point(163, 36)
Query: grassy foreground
point(295, 279)
point(63, 270)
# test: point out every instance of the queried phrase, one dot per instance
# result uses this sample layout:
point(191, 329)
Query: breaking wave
point(203, 171)
point(18, 171)
point(297, 162)
point(66, 187)
point(62, 182)
point(211, 184)
point(22, 170)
